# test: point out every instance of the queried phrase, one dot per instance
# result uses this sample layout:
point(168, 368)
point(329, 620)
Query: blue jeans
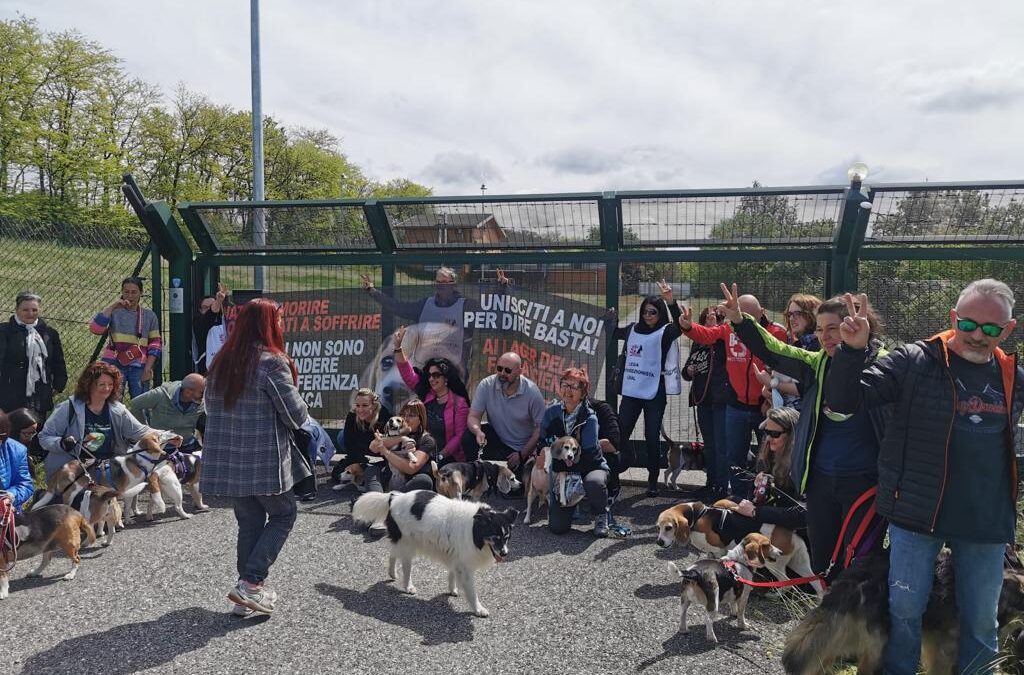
point(711, 420)
point(978, 570)
point(740, 420)
point(264, 522)
point(132, 378)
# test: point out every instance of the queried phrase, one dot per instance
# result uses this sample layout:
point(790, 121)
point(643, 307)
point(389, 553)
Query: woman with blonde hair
point(368, 416)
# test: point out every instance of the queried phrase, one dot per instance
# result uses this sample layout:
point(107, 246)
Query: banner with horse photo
point(343, 339)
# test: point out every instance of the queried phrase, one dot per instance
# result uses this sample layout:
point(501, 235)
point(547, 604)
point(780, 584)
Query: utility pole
point(259, 230)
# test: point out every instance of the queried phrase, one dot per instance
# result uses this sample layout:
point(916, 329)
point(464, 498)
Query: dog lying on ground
point(538, 475)
point(852, 621)
point(127, 474)
point(354, 475)
point(463, 536)
point(716, 530)
point(472, 480)
point(43, 531)
point(711, 583)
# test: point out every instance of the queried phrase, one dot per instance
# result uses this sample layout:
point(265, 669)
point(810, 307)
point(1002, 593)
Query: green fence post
point(610, 217)
point(384, 238)
point(171, 242)
point(846, 245)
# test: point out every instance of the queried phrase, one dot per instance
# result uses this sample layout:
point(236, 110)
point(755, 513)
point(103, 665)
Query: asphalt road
point(155, 602)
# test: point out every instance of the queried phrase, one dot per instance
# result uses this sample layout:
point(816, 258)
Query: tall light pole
point(259, 230)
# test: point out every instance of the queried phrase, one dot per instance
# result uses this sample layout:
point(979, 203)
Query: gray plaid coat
point(246, 449)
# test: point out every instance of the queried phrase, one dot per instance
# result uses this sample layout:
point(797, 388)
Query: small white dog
point(463, 536)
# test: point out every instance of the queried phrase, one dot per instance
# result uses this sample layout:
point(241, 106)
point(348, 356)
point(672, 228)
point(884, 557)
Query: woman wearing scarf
point(32, 367)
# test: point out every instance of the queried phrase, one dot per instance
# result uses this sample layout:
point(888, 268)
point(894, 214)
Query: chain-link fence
point(75, 268)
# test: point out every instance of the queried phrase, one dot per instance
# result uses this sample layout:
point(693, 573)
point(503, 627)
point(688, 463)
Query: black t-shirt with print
point(98, 433)
point(435, 419)
point(976, 504)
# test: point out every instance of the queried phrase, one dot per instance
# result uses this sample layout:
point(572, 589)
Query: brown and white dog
point(44, 531)
point(127, 474)
point(98, 505)
point(395, 428)
point(713, 583)
point(716, 529)
point(538, 482)
point(852, 621)
point(355, 475)
point(472, 480)
point(566, 450)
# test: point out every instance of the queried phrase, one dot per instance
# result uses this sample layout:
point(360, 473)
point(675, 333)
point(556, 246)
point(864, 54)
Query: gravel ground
point(155, 601)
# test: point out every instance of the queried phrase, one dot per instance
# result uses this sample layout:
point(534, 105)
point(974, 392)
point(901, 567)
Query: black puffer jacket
point(913, 461)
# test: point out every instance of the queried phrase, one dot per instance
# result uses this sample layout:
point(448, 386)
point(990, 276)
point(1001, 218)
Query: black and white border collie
point(463, 536)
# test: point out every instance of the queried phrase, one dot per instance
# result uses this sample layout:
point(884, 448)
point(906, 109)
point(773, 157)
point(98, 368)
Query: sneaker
point(601, 526)
point(260, 599)
point(241, 610)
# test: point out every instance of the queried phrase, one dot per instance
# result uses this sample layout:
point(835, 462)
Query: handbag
point(303, 475)
point(131, 353)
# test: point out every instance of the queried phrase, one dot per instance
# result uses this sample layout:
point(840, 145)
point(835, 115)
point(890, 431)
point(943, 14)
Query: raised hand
point(686, 318)
point(730, 304)
point(502, 278)
point(399, 336)
point(855, 328)
point(367, 281)
point(666, 291)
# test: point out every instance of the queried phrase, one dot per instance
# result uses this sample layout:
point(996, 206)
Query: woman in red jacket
point(442, 391)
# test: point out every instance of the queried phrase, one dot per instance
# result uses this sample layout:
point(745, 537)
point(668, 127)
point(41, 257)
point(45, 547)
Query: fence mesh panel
point(964, 216)
point(288, 227)
point(76, 268)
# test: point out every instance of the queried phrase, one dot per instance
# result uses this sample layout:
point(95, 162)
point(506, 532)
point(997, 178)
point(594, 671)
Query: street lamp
point(857, 174)
point(483, 189)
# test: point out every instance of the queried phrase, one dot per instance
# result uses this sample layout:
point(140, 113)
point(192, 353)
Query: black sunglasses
point(499, 369)
point(434, 374)
point(772, 433)
point(970, 325)
point(650, 311)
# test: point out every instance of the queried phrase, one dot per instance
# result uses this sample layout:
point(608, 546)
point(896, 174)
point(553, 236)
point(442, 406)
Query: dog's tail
point(84, 526)
point(372, 507)
point(811, 647)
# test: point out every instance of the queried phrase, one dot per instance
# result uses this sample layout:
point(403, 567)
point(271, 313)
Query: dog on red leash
point(41, 531)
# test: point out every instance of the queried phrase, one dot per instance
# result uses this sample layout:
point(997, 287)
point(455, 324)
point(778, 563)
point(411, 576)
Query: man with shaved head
point(173, 406)
point(514, 407)
point(743, 413)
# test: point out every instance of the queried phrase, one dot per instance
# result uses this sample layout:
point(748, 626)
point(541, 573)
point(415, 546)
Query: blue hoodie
point(15, 476)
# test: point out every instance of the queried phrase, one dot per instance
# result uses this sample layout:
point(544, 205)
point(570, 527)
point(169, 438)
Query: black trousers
point(829, 499)
point(653, 410)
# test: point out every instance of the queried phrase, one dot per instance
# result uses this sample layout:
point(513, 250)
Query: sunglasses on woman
point(650, 311)
point(435, 374)
point(773, 433)
point(970, 325)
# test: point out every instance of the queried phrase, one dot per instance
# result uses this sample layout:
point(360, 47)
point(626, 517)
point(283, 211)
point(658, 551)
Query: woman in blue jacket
point(15, 478)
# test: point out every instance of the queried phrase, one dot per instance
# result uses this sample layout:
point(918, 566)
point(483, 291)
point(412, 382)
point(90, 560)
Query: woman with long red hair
point(252, 404)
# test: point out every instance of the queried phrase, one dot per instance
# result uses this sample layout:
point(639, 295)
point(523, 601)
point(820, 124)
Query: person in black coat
point(32, 367)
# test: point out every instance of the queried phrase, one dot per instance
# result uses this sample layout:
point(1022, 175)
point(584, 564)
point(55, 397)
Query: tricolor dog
point(355, 475)
point(714, 583)
point(473, 480)
point(717, 529)
point(395, 427)
point(44, 531)
point(538, 476)
point(565, 452)
point(463, 536)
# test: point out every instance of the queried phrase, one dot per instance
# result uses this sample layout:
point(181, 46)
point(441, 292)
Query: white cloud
point(596, 95)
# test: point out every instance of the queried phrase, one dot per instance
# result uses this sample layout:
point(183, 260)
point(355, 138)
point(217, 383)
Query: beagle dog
point(472, 480)
point(717, 529)
point(44, 531)
point(538, 477)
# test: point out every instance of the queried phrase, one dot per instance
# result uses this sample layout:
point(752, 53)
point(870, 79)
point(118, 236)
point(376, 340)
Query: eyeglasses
point(799, 312)
point(970, 325)
point(773, 433)
point(500, 369)
point(435, 374)
point(574, 386)
point(650, 311)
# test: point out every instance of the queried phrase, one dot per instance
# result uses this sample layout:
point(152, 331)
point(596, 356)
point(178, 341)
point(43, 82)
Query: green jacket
point(808, 368)
point(158, 408)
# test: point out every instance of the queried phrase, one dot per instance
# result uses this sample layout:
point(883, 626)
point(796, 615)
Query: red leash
point(8, 534)
point(731, 566)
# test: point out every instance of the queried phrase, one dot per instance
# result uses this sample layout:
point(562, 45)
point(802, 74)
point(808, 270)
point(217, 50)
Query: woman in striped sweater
point(133, 332)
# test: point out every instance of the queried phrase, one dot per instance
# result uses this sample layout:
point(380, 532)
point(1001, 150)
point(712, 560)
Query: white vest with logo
point(442, 327)
point(643, 373)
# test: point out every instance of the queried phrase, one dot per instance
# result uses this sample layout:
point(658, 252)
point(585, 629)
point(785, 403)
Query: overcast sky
point(553, 96)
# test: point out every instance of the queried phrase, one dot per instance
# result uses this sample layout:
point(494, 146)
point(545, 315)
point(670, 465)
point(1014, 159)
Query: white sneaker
point(241, 610)
point(261, 599)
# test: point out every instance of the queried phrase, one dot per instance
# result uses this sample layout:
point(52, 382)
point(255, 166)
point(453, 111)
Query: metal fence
point(911, 247)
point(77, 270)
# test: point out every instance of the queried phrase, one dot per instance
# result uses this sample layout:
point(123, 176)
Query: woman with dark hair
point(15, 476)
point(93, 418)
point(25, 429)
point(133, 336)
point(32, 367)
point(441, 389)
point(835, 455)
point(252, 407)
point(651, 373)
point(709, 395)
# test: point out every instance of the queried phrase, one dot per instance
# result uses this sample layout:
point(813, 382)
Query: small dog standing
point(44, 531)
point(463, 536)
point(538, 475)
point(714, 583)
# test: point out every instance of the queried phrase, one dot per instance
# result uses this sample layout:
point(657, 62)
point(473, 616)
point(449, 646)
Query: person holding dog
point(441, 389)
point(416, 470)
point(133, 333)
point(367, 418)
point(93, 419)
point(572, 416)
point(32, 367)
point(948, 471)
point(252, 408)
point(773, 499)
point(15, 477)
